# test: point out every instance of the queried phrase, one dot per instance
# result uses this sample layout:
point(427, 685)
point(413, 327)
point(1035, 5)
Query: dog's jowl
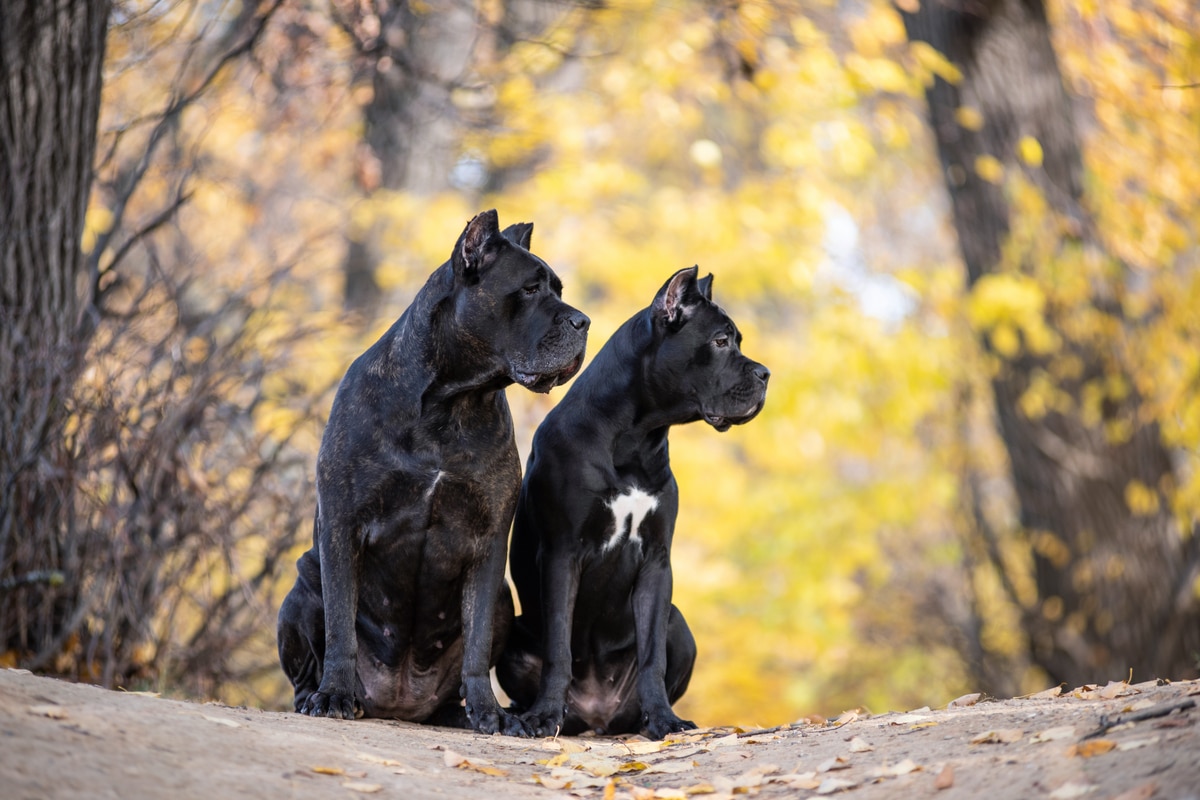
point(598, 645)
point(400, 607)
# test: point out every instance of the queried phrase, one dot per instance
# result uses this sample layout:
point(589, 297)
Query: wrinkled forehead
point(517, 267)
point(711, 316)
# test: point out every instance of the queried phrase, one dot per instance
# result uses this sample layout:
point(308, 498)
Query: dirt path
point(66, 740)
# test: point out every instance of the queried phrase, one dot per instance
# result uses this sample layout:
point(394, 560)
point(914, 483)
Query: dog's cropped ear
point(475, 244)
point(705, 286)
point(519, 233)
point(670, 302)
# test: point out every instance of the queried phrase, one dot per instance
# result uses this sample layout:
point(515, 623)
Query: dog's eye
point(721, 341)
point(532, 288)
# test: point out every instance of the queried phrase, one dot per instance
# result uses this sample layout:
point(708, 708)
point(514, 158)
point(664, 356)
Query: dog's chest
point(629, 509)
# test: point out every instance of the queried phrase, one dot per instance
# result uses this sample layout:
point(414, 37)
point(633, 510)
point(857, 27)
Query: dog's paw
point(543, 722)
point(486, 718)
point(663, 724)
point(513, 725)
point(332, 705)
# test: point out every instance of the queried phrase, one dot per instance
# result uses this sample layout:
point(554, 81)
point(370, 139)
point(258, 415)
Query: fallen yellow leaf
point(1095, 747)
point(485, 769)
point(562, 745)
point(329, 770)
point(600, 767)
point(699, 788)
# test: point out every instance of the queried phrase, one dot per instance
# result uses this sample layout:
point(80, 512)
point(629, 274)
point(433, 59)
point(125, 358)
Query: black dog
point(599, 645)
point(401, 600)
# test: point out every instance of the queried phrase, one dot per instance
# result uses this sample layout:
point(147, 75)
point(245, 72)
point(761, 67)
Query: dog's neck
point(634, 421)
point(425, 334)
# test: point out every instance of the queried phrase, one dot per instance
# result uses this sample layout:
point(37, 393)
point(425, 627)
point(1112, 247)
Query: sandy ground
point(67, 740)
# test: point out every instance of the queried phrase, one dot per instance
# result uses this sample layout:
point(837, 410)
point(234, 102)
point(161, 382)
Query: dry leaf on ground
point(945, 778)
point(831, 785)
point(797, 780)
point(481, 765)
point(909, 718)
point(49, 710)
point(328, 770)
point(852, 715)
point(1116, 689)
point(383, 762)
point(228, 723)
point(1054, 734)
point(362, 788)
point(966, 700)
point(557, 745)
point(1095, 747)
point(551, 782)
point(835, 763)
point(896, 770)
point(1134, 744)
point(1003, 736)
point(860, 745)
point(1071, 790)
point(699, 788)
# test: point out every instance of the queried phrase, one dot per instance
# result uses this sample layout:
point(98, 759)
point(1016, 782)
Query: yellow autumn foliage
point(786, 153)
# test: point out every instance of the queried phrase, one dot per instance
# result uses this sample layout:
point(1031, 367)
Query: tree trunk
point(1115, 584)
point(411, 133)
point(51, 55)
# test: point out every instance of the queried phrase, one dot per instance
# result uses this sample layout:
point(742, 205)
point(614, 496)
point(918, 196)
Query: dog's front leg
point(335, 697)
point(651, 610)
point(560, 587)
point(478, 606)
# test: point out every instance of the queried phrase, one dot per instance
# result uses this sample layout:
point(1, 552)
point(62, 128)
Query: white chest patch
point(628, 510)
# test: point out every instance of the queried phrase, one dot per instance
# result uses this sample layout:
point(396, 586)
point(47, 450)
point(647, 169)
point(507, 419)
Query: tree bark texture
point(51, 56)
point(1115, 587)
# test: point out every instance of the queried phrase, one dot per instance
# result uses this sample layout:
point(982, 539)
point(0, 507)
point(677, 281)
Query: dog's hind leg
point(520, 667)
point(681, 655)
point(301, 639)
point(451, 714)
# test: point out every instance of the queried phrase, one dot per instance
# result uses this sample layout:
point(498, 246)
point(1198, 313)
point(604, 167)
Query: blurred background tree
point(963, 237)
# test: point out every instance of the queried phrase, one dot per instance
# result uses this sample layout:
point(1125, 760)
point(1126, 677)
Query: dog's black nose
point(762, 373)
point(579, 321)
